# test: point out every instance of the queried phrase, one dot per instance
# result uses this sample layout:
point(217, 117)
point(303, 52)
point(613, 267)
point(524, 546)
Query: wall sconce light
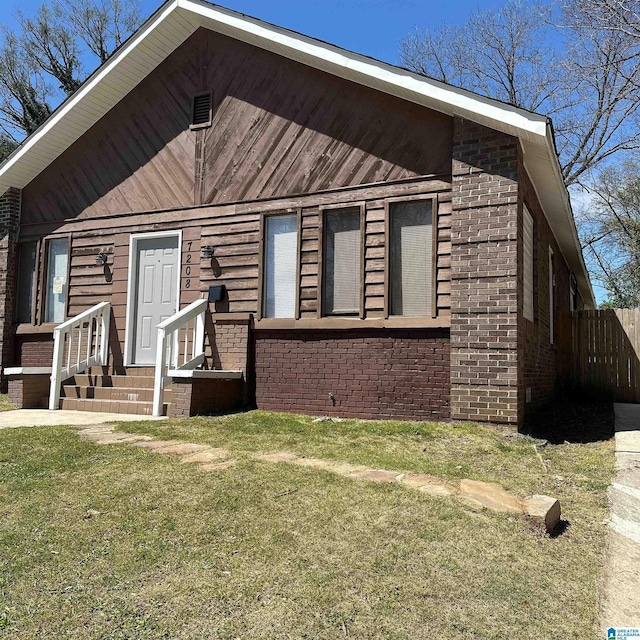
point(206, 252)
point(101, 258)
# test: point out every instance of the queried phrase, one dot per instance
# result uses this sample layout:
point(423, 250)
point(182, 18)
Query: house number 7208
point(187, 270)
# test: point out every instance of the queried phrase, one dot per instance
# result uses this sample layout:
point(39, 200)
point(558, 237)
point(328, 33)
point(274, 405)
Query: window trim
point(552, 291)
point(434, 250)
point(44, 274)
point(525, 213)
point(361, 207)
point(33, 319)
point(261, 256)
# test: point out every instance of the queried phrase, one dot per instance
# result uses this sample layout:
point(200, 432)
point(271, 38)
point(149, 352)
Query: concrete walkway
point(620, 594)
point(45, 418)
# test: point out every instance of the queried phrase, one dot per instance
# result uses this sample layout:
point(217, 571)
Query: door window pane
point(342, 247)
point(281, 258)
point(410, 263)
point(27, 262)
point(57, 261)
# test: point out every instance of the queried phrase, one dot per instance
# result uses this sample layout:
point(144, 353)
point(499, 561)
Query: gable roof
point(176, 20)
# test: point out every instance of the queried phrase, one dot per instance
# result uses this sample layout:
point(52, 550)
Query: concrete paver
point(620, 588)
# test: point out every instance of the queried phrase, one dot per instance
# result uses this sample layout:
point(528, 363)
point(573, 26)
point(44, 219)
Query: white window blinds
point(528, 264)
point(342, 252)
point(411, 258)
point(281, 257)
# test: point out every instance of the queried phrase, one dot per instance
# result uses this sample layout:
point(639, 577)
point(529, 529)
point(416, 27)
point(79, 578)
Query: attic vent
point(201, 116)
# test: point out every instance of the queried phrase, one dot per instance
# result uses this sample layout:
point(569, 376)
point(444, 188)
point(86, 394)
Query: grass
point(4, 403)
point(176, 552)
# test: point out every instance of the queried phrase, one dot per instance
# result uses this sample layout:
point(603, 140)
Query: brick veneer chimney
point(9, 230)
point(484, 294)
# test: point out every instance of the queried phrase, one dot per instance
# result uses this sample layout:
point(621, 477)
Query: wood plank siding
point(279, 128)
point(284, 138)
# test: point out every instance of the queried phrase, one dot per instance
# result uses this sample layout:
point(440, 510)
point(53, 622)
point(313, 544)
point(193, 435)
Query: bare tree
point(44, 60)
point(610, 232)
point(584, 76)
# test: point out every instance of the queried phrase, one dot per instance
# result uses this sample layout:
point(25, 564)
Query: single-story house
point(228, 213)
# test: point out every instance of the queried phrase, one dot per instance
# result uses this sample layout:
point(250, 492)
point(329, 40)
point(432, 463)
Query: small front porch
point(84, 376)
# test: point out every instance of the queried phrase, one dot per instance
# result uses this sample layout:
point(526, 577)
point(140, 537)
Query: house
point(229, 214)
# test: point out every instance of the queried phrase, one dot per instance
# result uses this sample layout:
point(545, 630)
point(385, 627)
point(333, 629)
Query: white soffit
point(175, 21)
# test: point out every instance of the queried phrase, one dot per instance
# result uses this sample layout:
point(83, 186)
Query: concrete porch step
point(118, 393)
point(109, 381)
point(110, 406)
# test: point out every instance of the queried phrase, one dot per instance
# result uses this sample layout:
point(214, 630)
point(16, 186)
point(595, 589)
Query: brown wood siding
point(235, 233)
point(279, 129)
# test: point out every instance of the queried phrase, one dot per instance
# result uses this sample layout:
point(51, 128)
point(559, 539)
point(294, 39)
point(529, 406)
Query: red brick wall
point(229, 345)
point(543, 367)
point(484, 292)
point(192, 397)
point(372, 374)
point(9, 230)
point(29, 391)
point(34, 350)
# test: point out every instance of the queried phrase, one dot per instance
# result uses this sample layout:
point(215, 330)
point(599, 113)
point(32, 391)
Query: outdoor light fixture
point(207, 252)
point(101, 258)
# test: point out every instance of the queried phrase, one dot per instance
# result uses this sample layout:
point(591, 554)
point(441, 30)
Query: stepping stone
point(280, 456)
point(122, 438)
point(217, 466)
point(155, 445)
point(344, 468)
point(428, 484)
point(543, 510)
point(376, 475)
point(181, 448)
point(95, 433)
point(207, 455)
point(491, 495)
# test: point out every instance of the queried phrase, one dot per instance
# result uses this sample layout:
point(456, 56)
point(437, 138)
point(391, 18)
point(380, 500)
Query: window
point(341, 262)
point(552, 287)
point(56, 288)
point(27, 266)
point(528, 264)
point(280, 266)
point(573, 293)
point(411, 258)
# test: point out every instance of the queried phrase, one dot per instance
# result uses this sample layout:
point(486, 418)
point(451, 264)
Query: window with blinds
point(341, 262)
point(411, 258)
point(27, 264)
point(527, 307)
point(280, 266)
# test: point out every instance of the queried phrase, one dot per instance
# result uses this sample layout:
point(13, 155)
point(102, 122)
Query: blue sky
point(371, 27)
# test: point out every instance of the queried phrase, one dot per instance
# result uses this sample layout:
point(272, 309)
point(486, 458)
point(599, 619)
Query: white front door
point(157, 269)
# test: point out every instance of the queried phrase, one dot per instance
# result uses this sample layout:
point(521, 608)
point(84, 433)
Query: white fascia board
point(367, 71)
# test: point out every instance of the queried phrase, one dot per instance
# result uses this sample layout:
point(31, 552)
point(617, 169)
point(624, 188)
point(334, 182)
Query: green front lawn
point(4, 403)
point(264, 550)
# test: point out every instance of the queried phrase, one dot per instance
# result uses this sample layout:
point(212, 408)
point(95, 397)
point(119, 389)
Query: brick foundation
point(192, 397)
point(9, 231)
point(484, 293)
point(400, 374)
point(29, 391)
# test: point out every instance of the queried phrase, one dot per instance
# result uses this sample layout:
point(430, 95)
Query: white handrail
point(92, 327)
point(168, 346)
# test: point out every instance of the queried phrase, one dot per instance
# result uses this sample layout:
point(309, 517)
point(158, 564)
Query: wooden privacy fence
point(605, 350)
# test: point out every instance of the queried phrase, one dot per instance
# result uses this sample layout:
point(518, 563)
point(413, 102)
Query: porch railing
point(79, 343)
point(180, 346)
